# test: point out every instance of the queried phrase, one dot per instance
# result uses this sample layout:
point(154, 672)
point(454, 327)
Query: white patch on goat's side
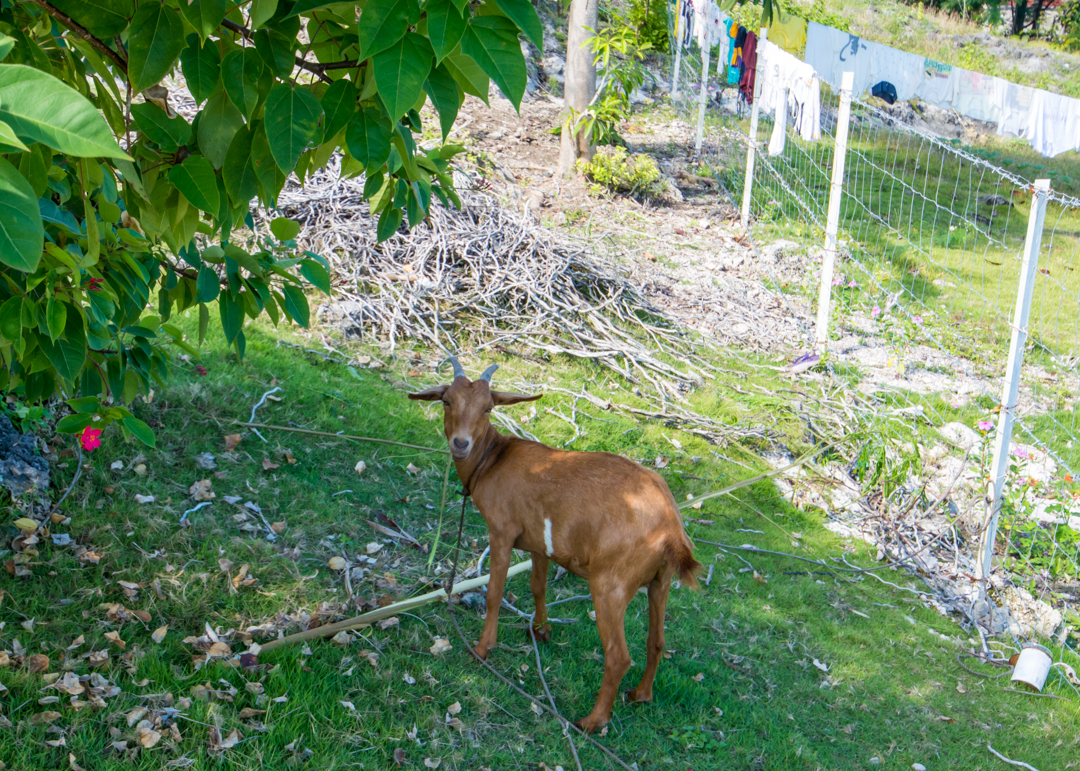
point(547, 538)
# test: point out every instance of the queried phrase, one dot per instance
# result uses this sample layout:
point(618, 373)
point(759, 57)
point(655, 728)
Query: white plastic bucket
point(1033, 665)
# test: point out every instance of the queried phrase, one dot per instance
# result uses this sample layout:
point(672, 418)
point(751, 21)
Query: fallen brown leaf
point(39, 662)
point(399, 757)
point(231, 440)
point(269, 465)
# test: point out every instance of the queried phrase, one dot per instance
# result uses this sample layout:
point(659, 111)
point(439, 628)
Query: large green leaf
point(368, 137)
point(262, 11)
point(207, 286)
point(292, 123)
point(11, 318)
point(522, 13)
point(277, 51)
point(218, 123)
point(205, 15)
point(492, 41)
point(139, 430)
point(55, 317)
point(316, 274)
point(155, 40)
point(400, 72)
point(296, 304)
point(22, 234)
point(307, 6)
point(6, 44)
point(40, 108)
point(103, 18)
point(240, 71)
point(68, 353)
point(241, 181)
point(168, 133)
point(446, 95)
point(446, 25)
point(269, 175)
point(382, 24)
point(468, 75)
point(232, 316)
point(196, 180)
point(9, 143)
point(339, 104)
point(202, 68)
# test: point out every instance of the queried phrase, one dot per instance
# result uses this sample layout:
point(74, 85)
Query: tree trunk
point(580, 86)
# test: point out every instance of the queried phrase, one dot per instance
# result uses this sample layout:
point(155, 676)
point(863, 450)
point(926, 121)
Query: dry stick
point(390, 610)
point(1040, 695)
point(1012, 762)
point(341, 436)
point(543, 681)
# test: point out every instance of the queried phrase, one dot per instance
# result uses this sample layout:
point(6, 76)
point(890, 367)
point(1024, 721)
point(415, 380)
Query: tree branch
point(313, 67)
point(82, 32)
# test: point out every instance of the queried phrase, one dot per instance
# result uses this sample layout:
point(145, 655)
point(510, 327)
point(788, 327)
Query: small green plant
point(613, 169)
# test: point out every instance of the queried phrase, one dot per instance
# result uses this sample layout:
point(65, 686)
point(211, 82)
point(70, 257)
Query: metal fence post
point(1003, 436)
point(702, 99)
point(832, 223)
point(678, 50)
point(752, 144)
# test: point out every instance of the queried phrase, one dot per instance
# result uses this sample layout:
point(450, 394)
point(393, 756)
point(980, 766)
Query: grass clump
point(615, 170)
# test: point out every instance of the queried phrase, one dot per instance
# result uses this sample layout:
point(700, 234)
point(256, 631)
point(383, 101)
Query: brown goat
point(599, 515)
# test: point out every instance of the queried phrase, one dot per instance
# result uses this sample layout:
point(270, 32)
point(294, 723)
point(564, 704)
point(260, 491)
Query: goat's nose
point(461, 444)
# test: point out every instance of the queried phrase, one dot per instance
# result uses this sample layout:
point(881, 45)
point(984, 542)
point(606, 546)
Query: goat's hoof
point(589, 724)
point(481, 652)
point(637, 695)
point(542, 633)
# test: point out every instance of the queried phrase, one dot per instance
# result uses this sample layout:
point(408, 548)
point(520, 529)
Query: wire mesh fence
point(930, 258)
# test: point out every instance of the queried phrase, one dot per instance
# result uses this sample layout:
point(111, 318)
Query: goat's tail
point(680, 555)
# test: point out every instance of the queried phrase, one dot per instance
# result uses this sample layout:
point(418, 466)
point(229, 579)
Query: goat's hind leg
point(610, 602)
point(658, 597)
point(541, 629)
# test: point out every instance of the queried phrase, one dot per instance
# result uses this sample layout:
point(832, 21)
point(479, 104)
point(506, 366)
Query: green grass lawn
point(797, 670)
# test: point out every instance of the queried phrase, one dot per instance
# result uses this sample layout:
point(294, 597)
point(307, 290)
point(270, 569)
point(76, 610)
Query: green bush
point(615, 170)
point(649, 18)
point(102, 241)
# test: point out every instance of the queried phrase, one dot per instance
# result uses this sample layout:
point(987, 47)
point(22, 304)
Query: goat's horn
point(489, 372)
point(459, 371)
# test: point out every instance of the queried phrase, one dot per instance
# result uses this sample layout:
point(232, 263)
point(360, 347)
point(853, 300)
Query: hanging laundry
point(1015, 107)
point(939, 85)
point(788, 32)
point(714, 17)
point(1053, 123)
point(903, 70)
point(687, 23)
point(832, 53)
point(978, 96)
point(789, 86)
point(749, 65)
point(738, 36)
point(701, 26)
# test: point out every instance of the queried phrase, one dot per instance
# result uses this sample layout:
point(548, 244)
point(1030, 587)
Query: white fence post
point(832, 223)
point(1003, 436)
point(702, 99)
point(752, 144)
point(678, 49)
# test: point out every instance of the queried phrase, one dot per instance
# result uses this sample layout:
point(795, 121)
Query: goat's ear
point(505, 398)
point(430, 395)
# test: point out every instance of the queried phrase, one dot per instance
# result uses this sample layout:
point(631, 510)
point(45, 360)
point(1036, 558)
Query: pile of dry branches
point(484, 277)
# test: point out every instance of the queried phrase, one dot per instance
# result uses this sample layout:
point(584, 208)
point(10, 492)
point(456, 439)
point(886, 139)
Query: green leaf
point(382, 24)
point(269, 175)
point(446, 95)
point(205, 15)
point(22, 233)
point(339, 104)
point(11, 319)
point(204, 321)
point(292, 123)
point(368, 137)
point(201, 65)
point(86, 405)
point(68, 353)
point(296, 305)
point(155, 40)
point(446, 25)
point(240, 71)
point(168, 133)
point(492, 41)
point(389, 222)
point(6, 44)
point(55, 317)
point(277, 51)
point(196, 180)
point(140, 430)
point(262, 11)
point(400, 72)
point(40, 108)
point(316, 274)
point(241, 181)
point(103, 18)
point(218, 123)
point(468, 75)
point(73, 424)
point(207, 288)
point(522, 13)
point(232, 316)
point(9, 143)
point(284, 229)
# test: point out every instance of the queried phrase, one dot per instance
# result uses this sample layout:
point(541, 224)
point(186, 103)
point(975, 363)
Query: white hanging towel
point(939, 85)
point(1015, 108)
point(905, 71)
point(832, 53)
point(789, 85)
point(978, 96)
point(1053, 123)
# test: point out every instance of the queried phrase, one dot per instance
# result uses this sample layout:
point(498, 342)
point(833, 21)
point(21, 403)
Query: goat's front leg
point(541, 629)
point(501, 550)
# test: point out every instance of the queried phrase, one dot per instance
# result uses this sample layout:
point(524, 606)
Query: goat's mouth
point(461, 455)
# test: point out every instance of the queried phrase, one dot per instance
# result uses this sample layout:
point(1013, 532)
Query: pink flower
point(90, 438)
point(93, 284)
point(984, 425)
point(853, 284)
point(838, 281)
point(1020, 452)
point(201, 370)
point(876, 312)
point(918, 320)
